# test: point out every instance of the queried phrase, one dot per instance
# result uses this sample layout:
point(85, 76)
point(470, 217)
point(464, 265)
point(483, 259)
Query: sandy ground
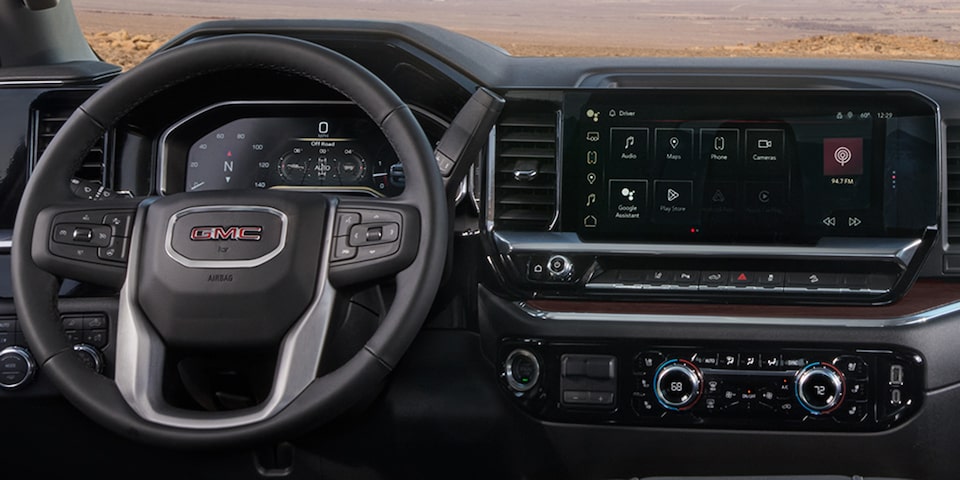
point(126, 39)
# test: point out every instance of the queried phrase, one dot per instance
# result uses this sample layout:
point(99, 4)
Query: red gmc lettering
point(229, 233)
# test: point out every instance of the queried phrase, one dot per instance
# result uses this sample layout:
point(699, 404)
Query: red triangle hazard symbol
point(742, 277)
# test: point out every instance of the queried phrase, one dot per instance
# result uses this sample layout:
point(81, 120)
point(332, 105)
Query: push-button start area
point(229, 269)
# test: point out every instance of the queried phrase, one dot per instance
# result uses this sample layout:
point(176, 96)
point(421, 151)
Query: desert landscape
point(126, 32)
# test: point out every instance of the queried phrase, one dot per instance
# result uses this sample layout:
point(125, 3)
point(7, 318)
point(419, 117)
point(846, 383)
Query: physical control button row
point(88, 328)
point(733, 281)
point(366, 234)
point(98, 236)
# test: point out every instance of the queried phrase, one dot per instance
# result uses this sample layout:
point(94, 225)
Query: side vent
point(953, 187)
point(525, 169)
point(49, 115)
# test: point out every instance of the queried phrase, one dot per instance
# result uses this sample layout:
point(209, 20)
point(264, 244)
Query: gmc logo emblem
point(228, 233)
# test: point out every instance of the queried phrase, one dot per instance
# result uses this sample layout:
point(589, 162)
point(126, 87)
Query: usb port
point(896, 375)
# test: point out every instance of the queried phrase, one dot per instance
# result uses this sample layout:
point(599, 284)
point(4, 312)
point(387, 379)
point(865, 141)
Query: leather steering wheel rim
point(35, 290)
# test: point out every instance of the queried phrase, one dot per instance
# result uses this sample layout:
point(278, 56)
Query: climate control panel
point(722, 386)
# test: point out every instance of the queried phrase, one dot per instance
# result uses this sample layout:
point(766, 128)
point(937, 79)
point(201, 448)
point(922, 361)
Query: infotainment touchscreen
point(730, 166)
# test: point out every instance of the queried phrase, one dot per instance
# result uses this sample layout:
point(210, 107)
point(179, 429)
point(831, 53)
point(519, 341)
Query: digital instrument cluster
point(307, 145)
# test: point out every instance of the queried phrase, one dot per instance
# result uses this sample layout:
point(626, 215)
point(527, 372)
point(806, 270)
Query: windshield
point(125, 32)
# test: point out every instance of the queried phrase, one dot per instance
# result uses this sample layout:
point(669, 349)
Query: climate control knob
point(820, 388)
point(678, 384)
point(17, 367)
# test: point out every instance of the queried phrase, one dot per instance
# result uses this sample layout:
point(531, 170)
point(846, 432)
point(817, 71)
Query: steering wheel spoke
point(87, 241)
point(373, 239)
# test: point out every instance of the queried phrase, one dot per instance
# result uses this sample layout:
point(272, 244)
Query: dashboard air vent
point(953, 187)
point(48, 118)
point(525, 170)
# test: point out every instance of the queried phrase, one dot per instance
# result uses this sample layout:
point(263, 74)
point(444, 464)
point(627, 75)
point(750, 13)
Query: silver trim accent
point(508, 370)
point(253, 262)
point(895, 249)
point(31, 366)
point(640, 318)
point(491, 176)
point(140, 353)
point(94, 354)
point(31, 83)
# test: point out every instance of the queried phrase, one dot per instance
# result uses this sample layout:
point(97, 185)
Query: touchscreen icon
point(842, 156)
point(628, 194)
point(591, 199)
point(593, 136)
point(672, 195)
point(630, 142)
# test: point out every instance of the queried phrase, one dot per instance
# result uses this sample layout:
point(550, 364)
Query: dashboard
point(653, 259)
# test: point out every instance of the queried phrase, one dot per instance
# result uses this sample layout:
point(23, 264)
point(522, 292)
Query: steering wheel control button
point(522, 370)
point(17, 367)
point(346, 221)
point(377, 251)
point(342, 249)
point(820, 388)
point(116, 250)
point(95, 236)
point(121, 224)
point(82, 235)
point(367, 234)
point(678, 384)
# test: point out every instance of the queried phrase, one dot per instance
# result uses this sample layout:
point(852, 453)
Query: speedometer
point(304, 145)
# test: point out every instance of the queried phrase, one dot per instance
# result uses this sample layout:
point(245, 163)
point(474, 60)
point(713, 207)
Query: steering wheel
point(233, 269)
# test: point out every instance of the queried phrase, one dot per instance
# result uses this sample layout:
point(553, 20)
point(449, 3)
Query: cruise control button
point(120, 223)
point(115, 251)
point(62, 233)
point(78, 217)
